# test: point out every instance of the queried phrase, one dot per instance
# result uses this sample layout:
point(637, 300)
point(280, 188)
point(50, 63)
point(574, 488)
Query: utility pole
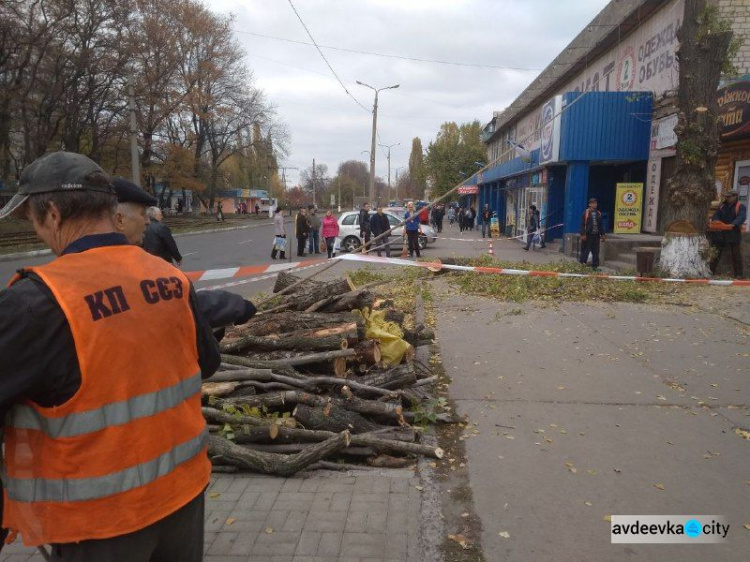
point(134, 158)
point(389, 146)
point(313, 181)
point(374, 135)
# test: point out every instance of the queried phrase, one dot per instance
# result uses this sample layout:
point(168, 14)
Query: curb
point(33, 253)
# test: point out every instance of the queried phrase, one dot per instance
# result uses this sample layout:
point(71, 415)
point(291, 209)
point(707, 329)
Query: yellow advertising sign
point(628, 208)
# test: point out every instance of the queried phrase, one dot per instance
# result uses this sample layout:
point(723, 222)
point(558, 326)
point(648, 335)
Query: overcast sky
point(521, 36)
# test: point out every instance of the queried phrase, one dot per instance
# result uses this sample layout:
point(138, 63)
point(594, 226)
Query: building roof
point(614, 22)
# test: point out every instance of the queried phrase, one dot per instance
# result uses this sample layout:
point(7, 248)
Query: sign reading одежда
point(628, 208)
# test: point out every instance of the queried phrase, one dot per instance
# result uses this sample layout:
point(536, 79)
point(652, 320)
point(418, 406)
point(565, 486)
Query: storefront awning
point(468, 190)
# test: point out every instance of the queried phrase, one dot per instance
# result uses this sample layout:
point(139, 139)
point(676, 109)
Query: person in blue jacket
point(411, 230)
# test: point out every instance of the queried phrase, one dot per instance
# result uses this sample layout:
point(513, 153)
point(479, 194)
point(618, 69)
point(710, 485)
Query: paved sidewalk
point(322, 516)
point(584, 410)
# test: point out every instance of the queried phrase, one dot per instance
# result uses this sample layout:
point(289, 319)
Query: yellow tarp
point(389, 334)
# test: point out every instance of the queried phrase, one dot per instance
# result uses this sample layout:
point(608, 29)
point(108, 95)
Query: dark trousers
point(384, 244)
point(591, 244)
point(366, 237)
point(301, 241)
point(530, 238)
point(413, 238)
point(314, 241)
point(735, 253)
point(330, 241)
point(176, 537)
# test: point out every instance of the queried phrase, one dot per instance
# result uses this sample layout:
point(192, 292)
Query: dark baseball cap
point(128, 192)
point(58, 171)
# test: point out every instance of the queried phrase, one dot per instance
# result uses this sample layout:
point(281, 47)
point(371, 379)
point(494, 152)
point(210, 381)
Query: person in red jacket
point(330, 230)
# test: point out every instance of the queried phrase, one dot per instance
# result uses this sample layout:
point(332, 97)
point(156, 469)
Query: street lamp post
point(374, 134)
point(389, 146)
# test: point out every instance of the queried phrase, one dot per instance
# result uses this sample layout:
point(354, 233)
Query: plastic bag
point(279, 243)
point(389, 334)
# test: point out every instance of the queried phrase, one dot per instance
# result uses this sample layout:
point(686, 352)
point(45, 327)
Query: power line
point(385, 55)
point(324, 58)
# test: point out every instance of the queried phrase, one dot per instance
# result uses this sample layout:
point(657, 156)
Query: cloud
point(329, 126)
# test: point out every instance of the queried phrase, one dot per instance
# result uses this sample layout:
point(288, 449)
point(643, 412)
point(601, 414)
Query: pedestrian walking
point(330, 231)
point(379, 225)
point(279, 234)
point(473, 219)
point(257, 209)
point(411, 230)
point(532, 226)
point(486, 220)
point(158, 239)
point(440, 216)
point(451, 216)
point(314, 236)
point(592, 234)
point(540, 230)
point(302, 229)
point(111, 326)
point(219, 212)
point(365, 231)
point(727, 224)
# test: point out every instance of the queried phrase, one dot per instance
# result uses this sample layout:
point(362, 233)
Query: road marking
point(189, 254)
point(244, 242)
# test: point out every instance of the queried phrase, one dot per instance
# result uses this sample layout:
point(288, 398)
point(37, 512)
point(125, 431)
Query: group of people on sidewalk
point(308, 230)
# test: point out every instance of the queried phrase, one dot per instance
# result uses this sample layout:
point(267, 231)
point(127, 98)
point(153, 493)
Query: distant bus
point(267, 205)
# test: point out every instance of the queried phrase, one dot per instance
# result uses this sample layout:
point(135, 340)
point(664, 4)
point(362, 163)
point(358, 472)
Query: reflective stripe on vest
point(109, 415)
point(82, 489)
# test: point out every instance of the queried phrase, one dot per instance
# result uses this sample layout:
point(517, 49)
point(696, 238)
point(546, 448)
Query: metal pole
point(313, 181)
point(134, 158)
point(372, 148)
point(389, 172)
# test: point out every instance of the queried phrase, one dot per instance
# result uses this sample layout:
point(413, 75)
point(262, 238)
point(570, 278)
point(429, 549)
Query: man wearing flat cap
point(132, 219)
point(727, 225)
point(104, 350)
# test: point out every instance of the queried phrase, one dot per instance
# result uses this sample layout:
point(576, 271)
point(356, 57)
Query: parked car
point(349, 240)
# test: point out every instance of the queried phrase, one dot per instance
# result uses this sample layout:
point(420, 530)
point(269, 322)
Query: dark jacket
point(486, 216)
point(587, 222)
point(730, 214)
point(379, 224)
point(364, 221)
point(533, 222)
point(222, 308)
point(158, 241)
point(303, 227)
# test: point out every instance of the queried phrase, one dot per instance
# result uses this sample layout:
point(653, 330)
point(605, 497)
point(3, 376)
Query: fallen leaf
point(607, 518)
point(504, 534)
point(618, 471)
point(593, 472)
point(747, 526)
point(269, 530)
point(660, 397)
point(659, 486)
point(742, 433)
point(465, 514)
point(420, 488)
point(231, 520)
point(214, 495)
point(460, 539)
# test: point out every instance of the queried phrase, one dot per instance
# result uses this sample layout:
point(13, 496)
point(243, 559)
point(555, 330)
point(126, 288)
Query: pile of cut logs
point(301, 387)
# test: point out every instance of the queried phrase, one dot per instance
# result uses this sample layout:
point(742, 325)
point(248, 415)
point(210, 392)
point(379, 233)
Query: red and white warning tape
point(254, 279)
point(231, 272)
point(524, 273)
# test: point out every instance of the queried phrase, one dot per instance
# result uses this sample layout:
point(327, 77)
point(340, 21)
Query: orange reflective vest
point(129, 448)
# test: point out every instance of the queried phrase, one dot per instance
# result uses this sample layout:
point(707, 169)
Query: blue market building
point(588, 145)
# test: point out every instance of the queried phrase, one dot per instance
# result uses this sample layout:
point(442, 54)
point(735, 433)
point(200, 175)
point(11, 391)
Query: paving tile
point(330, 545)
point(243, 544)
point(308, 544)
point(222, 545)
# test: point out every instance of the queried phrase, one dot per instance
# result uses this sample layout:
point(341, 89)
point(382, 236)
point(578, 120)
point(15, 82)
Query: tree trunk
point(283, 322)
point(701, 55)
point(397, 377)
point(287, 342)
point(227, 453)
point(332, 418)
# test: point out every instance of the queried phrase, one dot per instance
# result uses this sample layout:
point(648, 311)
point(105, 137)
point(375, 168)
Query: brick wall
point(738, 12)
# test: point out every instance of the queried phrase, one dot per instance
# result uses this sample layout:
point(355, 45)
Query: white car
point(349, 240)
